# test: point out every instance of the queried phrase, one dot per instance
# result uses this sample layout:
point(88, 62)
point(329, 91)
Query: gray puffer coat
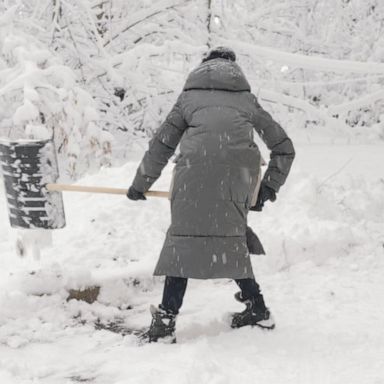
point(216, 173)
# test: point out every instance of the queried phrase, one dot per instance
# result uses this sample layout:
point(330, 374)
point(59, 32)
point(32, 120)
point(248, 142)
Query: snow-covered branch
point(365, 101)
point(143, 15)
point(314, 63)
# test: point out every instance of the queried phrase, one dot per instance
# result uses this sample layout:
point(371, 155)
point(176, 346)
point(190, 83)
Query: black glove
point(133, 194)
point(265, 193)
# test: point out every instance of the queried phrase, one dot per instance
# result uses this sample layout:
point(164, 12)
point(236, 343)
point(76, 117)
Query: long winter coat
point(216, 174)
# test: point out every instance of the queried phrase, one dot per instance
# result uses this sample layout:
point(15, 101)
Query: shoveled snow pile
point(322, 278)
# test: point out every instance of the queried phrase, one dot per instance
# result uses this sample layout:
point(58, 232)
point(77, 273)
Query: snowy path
point(322, 278)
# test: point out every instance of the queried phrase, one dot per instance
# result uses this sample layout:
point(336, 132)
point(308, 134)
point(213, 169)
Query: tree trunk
point(209, 20)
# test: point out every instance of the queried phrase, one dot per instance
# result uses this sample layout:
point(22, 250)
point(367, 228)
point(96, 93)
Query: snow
point(321, 277)
point(63, 66)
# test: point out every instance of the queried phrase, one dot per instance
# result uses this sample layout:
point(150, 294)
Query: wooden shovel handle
point(114, 191)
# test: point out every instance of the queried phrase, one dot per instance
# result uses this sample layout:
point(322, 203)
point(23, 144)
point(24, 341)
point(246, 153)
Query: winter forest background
point(97, 75)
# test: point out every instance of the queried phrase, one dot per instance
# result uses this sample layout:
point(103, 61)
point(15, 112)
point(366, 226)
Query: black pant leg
point(173, 294)
point(250, 290)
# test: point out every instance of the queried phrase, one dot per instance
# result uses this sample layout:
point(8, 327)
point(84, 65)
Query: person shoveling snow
point(216, 182)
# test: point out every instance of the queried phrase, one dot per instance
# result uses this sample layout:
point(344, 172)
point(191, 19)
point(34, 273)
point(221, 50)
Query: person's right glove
point(265, 193)
point(134, 194)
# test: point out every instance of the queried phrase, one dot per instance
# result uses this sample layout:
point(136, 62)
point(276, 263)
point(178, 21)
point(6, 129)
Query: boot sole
point(264, 324)
point(267, 327)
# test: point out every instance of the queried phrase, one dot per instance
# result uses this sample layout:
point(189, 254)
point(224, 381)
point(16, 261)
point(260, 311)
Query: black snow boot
point(254, 314)
point(162, 327)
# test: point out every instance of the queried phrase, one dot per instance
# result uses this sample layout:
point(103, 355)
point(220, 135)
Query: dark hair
point(220, 53)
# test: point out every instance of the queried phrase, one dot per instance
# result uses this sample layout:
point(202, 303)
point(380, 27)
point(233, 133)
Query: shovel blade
point(27, 165)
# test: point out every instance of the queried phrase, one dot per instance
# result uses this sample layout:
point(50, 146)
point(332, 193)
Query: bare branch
point(143, 15)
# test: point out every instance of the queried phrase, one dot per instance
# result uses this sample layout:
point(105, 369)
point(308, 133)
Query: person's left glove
point(265, 193)
point(134, 194)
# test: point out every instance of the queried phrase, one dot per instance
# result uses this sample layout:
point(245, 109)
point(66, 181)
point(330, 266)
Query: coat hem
point(206, 277)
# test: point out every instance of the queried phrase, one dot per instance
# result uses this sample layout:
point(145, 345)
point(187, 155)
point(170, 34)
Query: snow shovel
point(30, 171)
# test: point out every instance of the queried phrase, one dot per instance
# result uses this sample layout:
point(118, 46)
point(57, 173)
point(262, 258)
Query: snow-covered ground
point(322, 278)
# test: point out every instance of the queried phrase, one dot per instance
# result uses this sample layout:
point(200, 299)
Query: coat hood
point(217, 74)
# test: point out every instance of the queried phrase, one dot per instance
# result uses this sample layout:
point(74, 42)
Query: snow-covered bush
point(40, 98)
